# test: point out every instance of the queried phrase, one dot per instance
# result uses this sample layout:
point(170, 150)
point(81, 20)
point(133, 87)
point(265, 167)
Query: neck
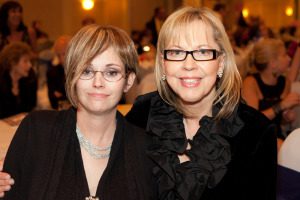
point(195, 112)
point(98, 129)
point(268, 77)
point(15, 76)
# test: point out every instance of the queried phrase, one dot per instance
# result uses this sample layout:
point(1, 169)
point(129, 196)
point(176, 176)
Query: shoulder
point(42, 116)
point(254, 119)
point(46, 119)
point(249, 80)
point(250, 115)
point(146, 98)
point(138, 115)
point(257, 130)
point(137, 135)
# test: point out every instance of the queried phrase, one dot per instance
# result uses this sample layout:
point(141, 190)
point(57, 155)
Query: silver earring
point(164, 77)
point(220, 74)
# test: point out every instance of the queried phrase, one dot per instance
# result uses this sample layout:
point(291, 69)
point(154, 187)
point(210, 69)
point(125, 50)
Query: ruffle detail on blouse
point(209, 153)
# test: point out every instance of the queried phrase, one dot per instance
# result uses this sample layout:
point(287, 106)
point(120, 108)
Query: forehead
point(14, 9)
point(108, 56)
point(199, 33)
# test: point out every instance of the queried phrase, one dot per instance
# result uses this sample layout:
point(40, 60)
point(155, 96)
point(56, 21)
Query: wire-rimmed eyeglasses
point(110, 75)
point(198, 55)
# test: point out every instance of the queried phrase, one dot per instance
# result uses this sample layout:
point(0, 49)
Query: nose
point(98, 80)
point(189, 63)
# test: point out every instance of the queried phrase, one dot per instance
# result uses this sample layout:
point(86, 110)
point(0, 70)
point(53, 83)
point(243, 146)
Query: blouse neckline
point(209, 153)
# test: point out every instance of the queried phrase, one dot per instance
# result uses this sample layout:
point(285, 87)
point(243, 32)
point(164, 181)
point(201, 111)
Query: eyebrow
point(107, 65)
point(197, 47)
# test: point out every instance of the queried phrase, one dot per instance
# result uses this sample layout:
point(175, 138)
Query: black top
point(45, 160)
point(234, 158)
point(24, 102)
point(56, 82)
point(288, 187)
point(271, 96)
point(4, 39)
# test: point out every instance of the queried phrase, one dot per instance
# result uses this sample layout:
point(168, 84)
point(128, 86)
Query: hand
point(5, 181)
point(290, 101)
point(289, 115)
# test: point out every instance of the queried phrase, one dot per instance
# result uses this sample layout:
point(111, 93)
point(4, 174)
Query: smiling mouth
point(190, 82)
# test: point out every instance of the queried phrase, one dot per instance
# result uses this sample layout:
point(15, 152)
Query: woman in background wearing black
point(15, 87)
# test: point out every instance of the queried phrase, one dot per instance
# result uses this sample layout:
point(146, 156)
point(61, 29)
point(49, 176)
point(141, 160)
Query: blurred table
point(8, 127)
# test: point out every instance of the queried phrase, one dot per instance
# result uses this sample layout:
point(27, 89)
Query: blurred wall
point(65, 16)
point(271, 11)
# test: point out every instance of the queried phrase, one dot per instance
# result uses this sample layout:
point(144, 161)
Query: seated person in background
point(18, 82)
point(288, 187)
point(294, 77)
point(268, 90)
point(56, 74)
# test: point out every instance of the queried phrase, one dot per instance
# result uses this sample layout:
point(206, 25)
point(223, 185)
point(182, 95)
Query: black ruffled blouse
point(209, 153)
point(233, 158)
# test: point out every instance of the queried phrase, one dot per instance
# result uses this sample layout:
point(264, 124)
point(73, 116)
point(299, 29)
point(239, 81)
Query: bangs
point(178, 32)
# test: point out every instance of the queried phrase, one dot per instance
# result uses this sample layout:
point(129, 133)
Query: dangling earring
point(220, 74)
point(164, 77)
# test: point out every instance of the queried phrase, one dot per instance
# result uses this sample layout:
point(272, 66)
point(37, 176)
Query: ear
point(221, 63)
point(129, 81)
point(162, 61)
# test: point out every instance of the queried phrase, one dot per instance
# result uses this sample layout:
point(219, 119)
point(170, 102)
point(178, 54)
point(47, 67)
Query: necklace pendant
point(91, 198)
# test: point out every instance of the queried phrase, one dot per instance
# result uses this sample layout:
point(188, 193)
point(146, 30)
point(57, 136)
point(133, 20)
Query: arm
point(251, 96)
point(294, 69)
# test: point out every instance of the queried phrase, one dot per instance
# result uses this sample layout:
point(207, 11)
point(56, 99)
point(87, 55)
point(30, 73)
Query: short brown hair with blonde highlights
point(264, 51)
point(90, 41)
point(11, 55)
point(228, 88)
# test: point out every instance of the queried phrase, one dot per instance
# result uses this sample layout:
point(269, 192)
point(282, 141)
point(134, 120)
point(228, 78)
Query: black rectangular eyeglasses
point(198, 55)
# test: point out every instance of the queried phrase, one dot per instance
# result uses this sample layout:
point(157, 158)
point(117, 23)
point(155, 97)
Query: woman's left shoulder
point(252, 117)
point(257, 129)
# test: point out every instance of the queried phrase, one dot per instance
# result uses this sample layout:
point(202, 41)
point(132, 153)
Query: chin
point(26, 74)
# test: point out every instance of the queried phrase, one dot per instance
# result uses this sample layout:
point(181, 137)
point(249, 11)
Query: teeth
point(190, 80)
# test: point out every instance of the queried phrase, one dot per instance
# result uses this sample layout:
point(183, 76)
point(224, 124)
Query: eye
point(204, 52)
point(175, 52)
point(88, 71)
point(111, 73)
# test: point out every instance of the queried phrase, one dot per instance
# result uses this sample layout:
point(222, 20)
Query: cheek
point(80, 85)
point(170, 68)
